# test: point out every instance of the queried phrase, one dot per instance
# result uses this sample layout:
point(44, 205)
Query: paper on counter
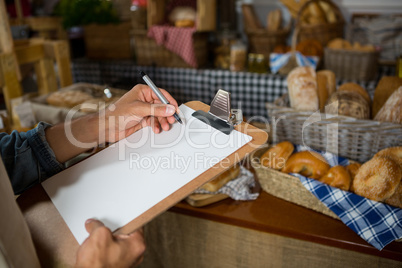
point(126, 179)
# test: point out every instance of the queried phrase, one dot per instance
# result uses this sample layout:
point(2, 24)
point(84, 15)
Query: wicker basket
point(263, 42)
point(149, 53)
point(345, 136)
point(352, 65)
point(321, 32)
point(285, 186)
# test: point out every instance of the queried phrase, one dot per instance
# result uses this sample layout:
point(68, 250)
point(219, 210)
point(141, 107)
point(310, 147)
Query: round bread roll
point(310, 47)
point(395, 199)
point(302, 89)
point(339, 43)
point(377, 179)
point(395, 153)
point(276, 156)
point(353, 87)
point(184, 23)
point(338, 177)
point(220, 180)
point(353, 169)
point(348, 104)
point(68, 99)
point(307, 163)
point(181, 13)
point(391, 111)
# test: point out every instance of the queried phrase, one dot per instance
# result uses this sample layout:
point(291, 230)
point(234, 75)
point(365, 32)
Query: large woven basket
point(285, 186)
point(262, 41)
point(321, 32)
point(352, 65)
point(345, 136)
point(149, 53)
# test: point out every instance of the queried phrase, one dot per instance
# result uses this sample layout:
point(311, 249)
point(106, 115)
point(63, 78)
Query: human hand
point(138, 108)
point(103, 249)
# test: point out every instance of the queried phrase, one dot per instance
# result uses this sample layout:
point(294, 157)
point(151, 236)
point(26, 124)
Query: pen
point(158, 93)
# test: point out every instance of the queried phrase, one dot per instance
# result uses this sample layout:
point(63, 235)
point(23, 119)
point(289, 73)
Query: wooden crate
point(206, 14)
point(149, 53)
point(110, 41)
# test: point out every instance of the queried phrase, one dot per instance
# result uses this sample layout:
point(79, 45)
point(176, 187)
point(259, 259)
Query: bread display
point(385, 87)
point(379, 179)
point(302, 89)
point(391, 111)
point(276, 156)
point(337, 176)
point(339, 43)
point(219, 181)
point(307, 163)
point(348, 104)
point(320, 13)
point(68, 99)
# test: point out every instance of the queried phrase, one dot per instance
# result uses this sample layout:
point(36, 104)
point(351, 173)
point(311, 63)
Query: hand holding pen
point(156, 90)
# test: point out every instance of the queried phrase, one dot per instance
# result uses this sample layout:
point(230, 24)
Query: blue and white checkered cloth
point(278, 60)
point(237, 189)
point(377, 223)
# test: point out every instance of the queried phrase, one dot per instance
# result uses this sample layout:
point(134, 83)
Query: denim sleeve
point(28, 157)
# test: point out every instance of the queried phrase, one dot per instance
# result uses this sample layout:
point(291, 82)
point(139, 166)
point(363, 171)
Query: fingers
point(143, 109)
point(92, 224)
point(150, 96)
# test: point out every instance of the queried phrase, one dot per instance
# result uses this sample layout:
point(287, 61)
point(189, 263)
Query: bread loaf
point(348, 104)
point(219, 181)
point(302, 89)
point(331, 80)
point(353, 87)
point(391, 111)
point(384, 89)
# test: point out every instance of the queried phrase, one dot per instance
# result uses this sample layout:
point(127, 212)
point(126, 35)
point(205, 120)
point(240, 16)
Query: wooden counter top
point(273, 215)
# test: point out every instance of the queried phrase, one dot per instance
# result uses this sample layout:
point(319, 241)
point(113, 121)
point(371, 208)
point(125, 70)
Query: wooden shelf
point(277, 216)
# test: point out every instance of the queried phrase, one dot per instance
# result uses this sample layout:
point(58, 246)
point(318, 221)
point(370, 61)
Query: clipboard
point(47, 224)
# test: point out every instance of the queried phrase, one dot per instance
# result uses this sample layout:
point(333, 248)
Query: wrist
point(85, 131)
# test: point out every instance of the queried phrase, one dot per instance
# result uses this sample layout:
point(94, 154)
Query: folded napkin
point(177, 40)
point(377, 223)
point(278, 60)
point(237, 189)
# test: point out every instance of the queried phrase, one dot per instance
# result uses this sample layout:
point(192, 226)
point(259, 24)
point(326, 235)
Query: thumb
point(157, 110)
point(92, 224)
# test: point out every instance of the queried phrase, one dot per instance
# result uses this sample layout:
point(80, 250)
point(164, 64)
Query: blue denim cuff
point(42, 151)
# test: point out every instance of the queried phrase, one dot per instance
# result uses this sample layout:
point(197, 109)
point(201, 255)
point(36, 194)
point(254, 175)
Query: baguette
point(219, 181)
point(274, 20)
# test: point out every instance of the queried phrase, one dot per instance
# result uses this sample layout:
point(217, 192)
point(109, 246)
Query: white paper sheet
point(123, 181)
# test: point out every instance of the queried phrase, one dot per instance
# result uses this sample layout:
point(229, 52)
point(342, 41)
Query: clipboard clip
point(220, 115)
